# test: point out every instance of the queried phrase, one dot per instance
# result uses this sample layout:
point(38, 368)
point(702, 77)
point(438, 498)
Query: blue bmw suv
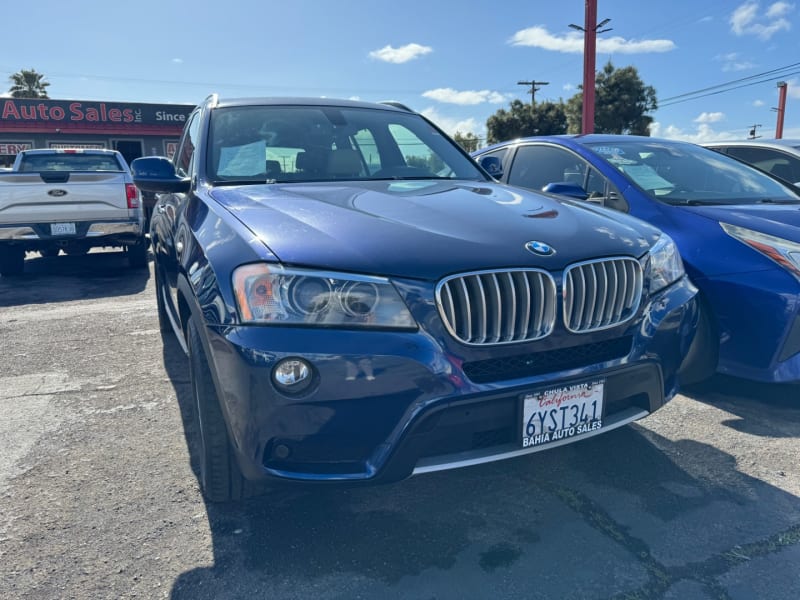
point(359, 301)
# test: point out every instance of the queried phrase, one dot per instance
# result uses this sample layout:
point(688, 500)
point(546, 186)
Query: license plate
point(561, 413)
point(62, 228)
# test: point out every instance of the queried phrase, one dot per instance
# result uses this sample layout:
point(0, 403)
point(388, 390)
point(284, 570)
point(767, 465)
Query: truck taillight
point(132, 194)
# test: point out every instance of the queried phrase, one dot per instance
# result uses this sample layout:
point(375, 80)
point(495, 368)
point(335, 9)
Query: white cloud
point(451, 126)
point(177, 61)
point(572, 42)
point(568, 87)
point(733, 62)
point(465, 98)
point(746, 20)
point(779, 9)
point(793, 89)
point(704, 133)
point(400, 55)
point(758, 103)
point(713, 117)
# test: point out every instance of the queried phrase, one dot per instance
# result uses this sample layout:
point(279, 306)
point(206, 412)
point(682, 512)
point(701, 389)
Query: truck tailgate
point(68, 196)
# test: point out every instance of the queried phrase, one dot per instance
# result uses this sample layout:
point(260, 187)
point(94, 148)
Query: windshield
point(323, 143)
point(682, 173)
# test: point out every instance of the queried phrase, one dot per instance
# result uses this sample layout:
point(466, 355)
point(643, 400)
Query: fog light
point(292, 375)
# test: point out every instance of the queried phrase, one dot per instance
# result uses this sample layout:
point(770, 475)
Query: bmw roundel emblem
point(540, 248)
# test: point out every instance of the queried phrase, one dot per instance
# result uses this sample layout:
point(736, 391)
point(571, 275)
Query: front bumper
point(387, 405)
point(757, 317)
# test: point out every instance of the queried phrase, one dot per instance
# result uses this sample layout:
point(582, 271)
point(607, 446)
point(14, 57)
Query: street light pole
point(590, 31)
point(781, 109)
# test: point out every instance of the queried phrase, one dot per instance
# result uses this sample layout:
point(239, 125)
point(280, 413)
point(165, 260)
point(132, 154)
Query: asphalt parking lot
point(99, 497)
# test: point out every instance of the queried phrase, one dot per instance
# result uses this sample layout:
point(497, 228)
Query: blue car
point(360, 302)
point(738, 231)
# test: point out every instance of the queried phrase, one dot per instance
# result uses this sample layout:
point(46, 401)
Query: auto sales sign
point(34, 114)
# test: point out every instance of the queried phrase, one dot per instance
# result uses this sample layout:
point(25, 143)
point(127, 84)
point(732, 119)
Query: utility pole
point(533, 89)
point(781, 109)
point(590, 30)
point(753, 132)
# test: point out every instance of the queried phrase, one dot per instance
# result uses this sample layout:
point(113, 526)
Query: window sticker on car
point(609, 150)
point(243, 161)
point(646, 177)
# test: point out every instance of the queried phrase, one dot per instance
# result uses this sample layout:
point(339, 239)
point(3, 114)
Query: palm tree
point(27, 83)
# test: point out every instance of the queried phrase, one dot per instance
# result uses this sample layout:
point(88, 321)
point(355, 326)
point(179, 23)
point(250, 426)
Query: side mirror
point(492, 165)
point(157, 174)
point(565, 188)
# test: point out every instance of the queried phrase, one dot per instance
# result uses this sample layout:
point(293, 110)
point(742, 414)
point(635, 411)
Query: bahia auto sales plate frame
point(563, 412)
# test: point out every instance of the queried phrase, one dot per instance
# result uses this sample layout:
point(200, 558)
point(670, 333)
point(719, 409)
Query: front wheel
point(220, 477)
point(700, 363)
point(12, 261)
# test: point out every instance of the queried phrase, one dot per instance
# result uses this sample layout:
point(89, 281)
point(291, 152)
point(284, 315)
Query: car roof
point(69, 151)
point(583, 139)
point(306, 101)
point(782, 143)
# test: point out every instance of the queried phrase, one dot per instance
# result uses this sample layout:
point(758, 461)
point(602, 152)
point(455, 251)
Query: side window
point(368, 147)
point(494, 162)
point(536, 166)
point(416, 153)
point(184, 157)
point(775, 162)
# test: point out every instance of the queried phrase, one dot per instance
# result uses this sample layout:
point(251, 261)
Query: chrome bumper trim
point(477, 457)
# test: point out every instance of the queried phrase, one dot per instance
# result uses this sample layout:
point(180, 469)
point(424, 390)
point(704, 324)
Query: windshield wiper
point(777, 201)
point(689, 202)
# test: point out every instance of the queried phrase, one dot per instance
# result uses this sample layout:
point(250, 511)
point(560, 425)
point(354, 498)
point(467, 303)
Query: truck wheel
point(137, 254)
point(220, 477)
point(12, 261)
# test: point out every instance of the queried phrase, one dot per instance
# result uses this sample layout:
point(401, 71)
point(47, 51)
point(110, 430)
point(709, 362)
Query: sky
point(714, 64)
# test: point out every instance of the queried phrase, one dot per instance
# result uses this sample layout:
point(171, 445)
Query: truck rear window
point(69, 162)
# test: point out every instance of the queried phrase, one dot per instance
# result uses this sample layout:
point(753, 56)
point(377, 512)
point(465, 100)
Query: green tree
point(468, 141)
point(622, 102)
point(545, 118)
point(27, 83)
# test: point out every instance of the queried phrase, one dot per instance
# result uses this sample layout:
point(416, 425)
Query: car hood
point(781, 220)
point(425, 229)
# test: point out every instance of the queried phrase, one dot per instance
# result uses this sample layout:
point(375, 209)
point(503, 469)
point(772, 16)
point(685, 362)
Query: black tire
point(12, 261)
point(164, 324)
point(137, 254)
point(700, 362)
point(221, 479)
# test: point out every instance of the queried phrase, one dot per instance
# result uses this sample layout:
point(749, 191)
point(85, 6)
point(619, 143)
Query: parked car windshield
point(324, 143)
point(682, 173)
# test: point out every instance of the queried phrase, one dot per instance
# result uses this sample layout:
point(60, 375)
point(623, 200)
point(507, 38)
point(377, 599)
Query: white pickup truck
point(70, 200)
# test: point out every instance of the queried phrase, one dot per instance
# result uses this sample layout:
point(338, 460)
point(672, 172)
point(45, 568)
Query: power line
point(777, 78)
point(779, 73)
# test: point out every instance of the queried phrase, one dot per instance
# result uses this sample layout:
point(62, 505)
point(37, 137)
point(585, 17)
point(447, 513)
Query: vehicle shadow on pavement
point(626, 514)
point(762, 409)
point(98, 274)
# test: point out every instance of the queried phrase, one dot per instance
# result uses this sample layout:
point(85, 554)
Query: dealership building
point(134, 129)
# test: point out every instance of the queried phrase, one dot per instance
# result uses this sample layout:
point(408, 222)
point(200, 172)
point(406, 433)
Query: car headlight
point(272, 295)
point(783, 252)
point(666, 265)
